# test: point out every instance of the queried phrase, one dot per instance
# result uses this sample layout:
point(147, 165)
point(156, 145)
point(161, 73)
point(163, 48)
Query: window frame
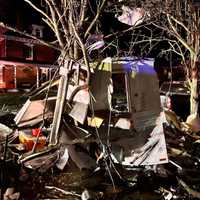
point(127, 88)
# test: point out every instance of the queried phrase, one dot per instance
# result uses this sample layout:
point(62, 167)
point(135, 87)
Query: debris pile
point(100, 141)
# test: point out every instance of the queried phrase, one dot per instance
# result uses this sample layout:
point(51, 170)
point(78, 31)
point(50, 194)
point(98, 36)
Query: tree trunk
point(194, 97)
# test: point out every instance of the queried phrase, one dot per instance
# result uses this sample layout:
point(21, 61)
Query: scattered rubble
point(99, 141)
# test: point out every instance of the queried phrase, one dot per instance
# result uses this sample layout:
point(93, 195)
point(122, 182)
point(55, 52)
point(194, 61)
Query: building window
point(28, 52)
point(120, 92)
point(37, 30)
point(38, 33)
point(42, 3)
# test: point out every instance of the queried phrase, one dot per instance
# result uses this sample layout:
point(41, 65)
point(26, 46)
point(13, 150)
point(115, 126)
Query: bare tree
point(179, 21)
point(176, 21)
point(70, 23)
point(183, 25)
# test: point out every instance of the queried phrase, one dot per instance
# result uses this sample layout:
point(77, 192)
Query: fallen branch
point(190, 191)
point(62, 191)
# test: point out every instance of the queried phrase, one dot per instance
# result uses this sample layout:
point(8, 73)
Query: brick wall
point(44, 54)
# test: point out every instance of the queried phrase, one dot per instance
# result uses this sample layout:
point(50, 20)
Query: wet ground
point(48, 187)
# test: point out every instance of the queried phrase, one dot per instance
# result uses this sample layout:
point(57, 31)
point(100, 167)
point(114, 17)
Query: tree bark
point(194, 103)
point(194, 97)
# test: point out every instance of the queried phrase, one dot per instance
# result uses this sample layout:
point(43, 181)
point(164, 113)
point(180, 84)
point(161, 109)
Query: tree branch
point(83, 11)
point(39, 10)
point(180, 23)
point(95, 18)
point(178, 36)
point(55, 25)
point(29, 35)
point(85, 57)
point(61, 17)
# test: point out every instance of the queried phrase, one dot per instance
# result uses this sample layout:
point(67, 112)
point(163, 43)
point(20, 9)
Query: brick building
point(24, 62)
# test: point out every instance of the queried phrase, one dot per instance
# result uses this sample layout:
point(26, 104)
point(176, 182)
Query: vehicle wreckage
point(115, 120)
point(118, 113)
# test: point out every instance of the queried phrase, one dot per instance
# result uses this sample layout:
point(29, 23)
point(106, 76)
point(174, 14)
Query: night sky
point(18, 12)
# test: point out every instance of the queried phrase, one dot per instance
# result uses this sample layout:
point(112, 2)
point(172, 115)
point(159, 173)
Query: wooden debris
point(190, 191)
point(62, 191)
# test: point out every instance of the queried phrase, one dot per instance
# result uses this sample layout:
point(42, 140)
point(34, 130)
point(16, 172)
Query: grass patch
point(12, 101)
